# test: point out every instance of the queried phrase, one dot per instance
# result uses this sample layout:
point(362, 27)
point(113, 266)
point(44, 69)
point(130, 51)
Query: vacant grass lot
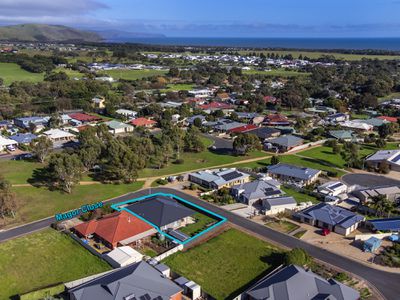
point(276, 72)
point(282, 226)
point(71, 73)
point(35, 203)
point(133, 74)
point(226, 264)
point(18, 171)
point(299, 197)
point(11, 72)
point(41, 259)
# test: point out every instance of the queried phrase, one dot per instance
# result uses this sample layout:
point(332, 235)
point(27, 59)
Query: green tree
point(244, 143)
point(65, 170)
point(8, 204)
point(192, 140)
point(297, 256)
point(41, 148)
point(380, 143)
point(274, 160)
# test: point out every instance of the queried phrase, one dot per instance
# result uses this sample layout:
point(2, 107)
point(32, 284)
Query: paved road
point(387, 283)
point(222, 146)
point(369, 180)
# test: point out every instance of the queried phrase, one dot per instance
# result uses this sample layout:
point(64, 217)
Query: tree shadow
point(41, 177)
point(321, 162)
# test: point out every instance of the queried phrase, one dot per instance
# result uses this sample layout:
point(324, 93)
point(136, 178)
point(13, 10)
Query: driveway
point(369, 180)
point(385, 282)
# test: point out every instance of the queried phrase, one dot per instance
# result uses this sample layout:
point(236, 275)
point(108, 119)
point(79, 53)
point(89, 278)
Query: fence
point(168, 253)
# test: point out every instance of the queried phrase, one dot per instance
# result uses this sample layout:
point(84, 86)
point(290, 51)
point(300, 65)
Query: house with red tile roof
point(243, 128)
point(389, 119)
point(276, 120)
point(84, 118)
point(119, 228)
point(143, 122)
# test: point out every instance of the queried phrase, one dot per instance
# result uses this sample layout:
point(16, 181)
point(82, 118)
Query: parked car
point(10, 148)
point(325, 231)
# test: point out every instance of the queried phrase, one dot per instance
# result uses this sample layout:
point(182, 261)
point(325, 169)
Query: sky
point(215, 18)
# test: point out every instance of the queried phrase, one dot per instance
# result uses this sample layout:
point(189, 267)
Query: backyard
point(11, 72)
point(56, 258)
point(226, 256)
point(201, 223)
point(299, 197)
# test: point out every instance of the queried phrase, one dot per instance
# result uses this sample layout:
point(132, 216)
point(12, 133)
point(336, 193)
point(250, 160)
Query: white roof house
point(58, 135)
point(357, 125)
point(4, 142)
point(126, 113)
point(216, 179)
point(391, 157)
point(332, 188)
point(123, 256)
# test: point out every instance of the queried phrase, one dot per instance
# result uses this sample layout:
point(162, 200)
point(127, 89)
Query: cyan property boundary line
point(222, 220)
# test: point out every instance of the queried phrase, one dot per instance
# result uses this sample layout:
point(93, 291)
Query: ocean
point(289, 43)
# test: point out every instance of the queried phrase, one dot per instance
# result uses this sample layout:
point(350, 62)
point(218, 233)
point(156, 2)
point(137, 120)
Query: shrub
point(297, 256)
point(332, 173)
point(179, 161)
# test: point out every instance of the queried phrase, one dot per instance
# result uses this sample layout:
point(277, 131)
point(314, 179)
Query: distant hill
point(46, 33)
point(125, 36)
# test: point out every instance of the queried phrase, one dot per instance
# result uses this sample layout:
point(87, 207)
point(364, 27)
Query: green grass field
point(18, 171)
point(178, 87)
point(133, 74)
point(282, 226)
point(226, 264)
point(41, 259)
point(71, 73)
point(276, 72)
point(11, 72)
point(202, 221)
point(36, 203)
point(299, 197)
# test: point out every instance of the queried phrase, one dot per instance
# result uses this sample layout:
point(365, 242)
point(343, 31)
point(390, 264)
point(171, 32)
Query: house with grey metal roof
point(285, 143)
point(293, 174)
point(390, 157)
point(224, 125)
point(219, 178)
point(391, 193)
point(161, 211)
point(251, 193)
point(137, 281)
point(264, 133)
point(295, 283)
point(116, 127)
point(276, 205)
point(334, 218)
point(345, 135)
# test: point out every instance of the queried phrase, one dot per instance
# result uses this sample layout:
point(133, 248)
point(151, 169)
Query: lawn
point(178, 87)
point(71, 73)
point(36, 203)
point(299, 197)
point(389, 97)
point(133, 74)
point(41, 259)
point(18, 171)
point(11, 72)
point(282, 226)
point(226, 264)
point(202, 223)
point(276, 72)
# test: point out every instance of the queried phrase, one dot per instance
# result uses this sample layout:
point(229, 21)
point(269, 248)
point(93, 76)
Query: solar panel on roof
point(396, 158)
point(336, 185)
point(231, 176)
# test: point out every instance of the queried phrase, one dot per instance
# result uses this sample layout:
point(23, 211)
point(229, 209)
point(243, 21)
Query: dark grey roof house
point(251, 192)
point(293, 174)
point(334, 218)
point(264, 133)
point(162, 211)
point(286, 142)
point(138, 281)
point(295, 283)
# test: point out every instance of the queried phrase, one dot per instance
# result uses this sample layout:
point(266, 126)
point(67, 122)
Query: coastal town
point(156, 172)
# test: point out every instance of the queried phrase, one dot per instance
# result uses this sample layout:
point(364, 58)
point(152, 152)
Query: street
point(385, 282)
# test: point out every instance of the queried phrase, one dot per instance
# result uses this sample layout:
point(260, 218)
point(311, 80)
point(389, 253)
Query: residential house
point(219, 178)
point(334, 218)
point(123, 256)
point(190, 120)
point(343, 135)
point(265, 133)
point(4, 124)
point(226, 125)
point(276, 120)
point(119, 228)
point(253, 192)
point(223, 97)
point(389, 157)
point(332, 188)
point(385, 225)
point(203, 93)
point(388, 119)
point(391, 193)
point(23, 138)
point(284, 143)
point(98, 103)
point(276, 205)
point(336, 118)
point(126, 113)
point(213, 106)
point(293, 174)
point(271, 100)
point(65, 119)
point(163, 212)
point(117, 127)
point(374, 122)
point(58, 135)
point(320, 109)
point(294, 283)
point(242, 129)
point(6, 143)
point(82, 118)
point(26, 122)
point(247, 115)
point(143, 122)
point(137, 281)
point(357, 125)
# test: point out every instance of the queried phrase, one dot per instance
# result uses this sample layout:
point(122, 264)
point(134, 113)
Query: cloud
point(63, 11)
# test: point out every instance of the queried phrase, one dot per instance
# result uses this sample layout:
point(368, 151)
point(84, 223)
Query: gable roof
point(215, 105)
point(160, 210)
point(244, 128)
point(142, 122)
point(257, 189)
point(264, 132)
point(115, 227)
point(117, 125)
point(23, 138)
point(141, 281)
point(82, 117)
point(389, 119)
point(287, 141)
point(341, 134)
point(391, 224)
point(293, 171)
point(277, 201)
point(293, 283)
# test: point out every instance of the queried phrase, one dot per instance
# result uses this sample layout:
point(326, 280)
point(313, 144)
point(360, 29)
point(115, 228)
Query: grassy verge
point(282, 226)
point(42, 259)
point(226, 264)
point(37, 203)
point(18, 171)
point(11, 72)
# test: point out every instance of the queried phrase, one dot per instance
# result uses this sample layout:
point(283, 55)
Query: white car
point(10, 148)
